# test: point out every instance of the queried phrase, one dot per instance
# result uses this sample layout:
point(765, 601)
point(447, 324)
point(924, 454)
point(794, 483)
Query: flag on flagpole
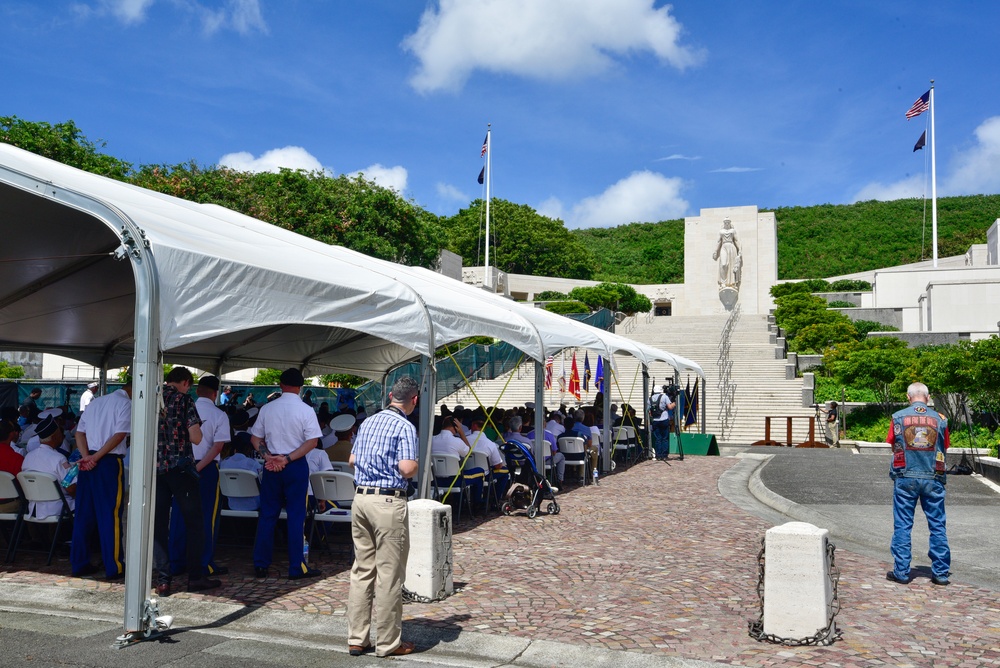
point(922, 104)
point(586, 372)
point(562, 375)
point(599, 376)
point(574, 379)
point(482, 175)
point(920, 142)
point(486, 145)
point(548, 372)
point(692, 415)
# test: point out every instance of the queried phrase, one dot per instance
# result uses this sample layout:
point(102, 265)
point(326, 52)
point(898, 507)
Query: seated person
point(340, 441)
point(576, 428)
point(242, 458)
point(10, 461)
point(46, 458)
point(449, 439)
point(498, 463)
point(555, 424)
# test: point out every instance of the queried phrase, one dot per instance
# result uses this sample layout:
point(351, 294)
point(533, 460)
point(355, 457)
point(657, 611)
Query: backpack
point(654, 409)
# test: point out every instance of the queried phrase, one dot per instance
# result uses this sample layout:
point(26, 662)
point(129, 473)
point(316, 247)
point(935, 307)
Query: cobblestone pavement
point(652, 560)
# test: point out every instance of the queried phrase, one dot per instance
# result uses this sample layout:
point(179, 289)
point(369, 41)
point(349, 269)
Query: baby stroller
point(528, 488)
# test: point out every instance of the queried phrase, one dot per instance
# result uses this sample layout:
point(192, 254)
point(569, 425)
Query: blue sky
point(604, 112)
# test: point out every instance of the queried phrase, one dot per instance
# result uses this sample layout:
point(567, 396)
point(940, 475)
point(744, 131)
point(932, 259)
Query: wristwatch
point(288, 459)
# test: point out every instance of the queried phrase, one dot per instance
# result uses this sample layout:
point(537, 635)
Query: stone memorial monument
point(730, 258)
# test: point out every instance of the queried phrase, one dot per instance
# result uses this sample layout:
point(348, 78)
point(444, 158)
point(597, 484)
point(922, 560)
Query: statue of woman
point(729, 255)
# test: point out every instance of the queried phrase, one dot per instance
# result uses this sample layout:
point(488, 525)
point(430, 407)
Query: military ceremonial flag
point(920, 142)
point(599, 376)
point(548, 372)
point(562, 375)
point(574, 379)
point(692, 415)
point(586, 372)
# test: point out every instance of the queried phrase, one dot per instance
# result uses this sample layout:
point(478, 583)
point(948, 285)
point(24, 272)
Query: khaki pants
point(381, 547)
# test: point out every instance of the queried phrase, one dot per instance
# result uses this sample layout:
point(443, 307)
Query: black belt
point(384, 491)
point(94, 452)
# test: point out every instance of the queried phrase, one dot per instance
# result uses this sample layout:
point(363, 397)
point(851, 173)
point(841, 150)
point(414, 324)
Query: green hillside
point(813, 241)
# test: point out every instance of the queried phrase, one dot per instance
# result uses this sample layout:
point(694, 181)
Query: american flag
point(920, 106)
point(486, 145)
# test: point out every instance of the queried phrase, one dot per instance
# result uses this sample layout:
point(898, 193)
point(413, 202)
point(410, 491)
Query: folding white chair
point(10, 489)
point(575, 451)
point(449, 467)
point(481, 460)
point(620, 444)
point(342, 467)
point(337, 489)
point(40, 488)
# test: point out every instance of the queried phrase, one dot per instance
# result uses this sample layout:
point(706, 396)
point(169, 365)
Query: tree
point(523, 241)
point(267, 377)
point(550, 296)
point(62, 142)
point(948, 372)
point(344, 379)
point(567, 306)
point(8, 370)
point(818, 337)
point(876, 363)
point(612, 296)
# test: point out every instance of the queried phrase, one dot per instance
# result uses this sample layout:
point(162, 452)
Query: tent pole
point(703, 409)
point(539, 426)
point(147, 383)
point(606, 409)
point(645, 396)
point(428, 385)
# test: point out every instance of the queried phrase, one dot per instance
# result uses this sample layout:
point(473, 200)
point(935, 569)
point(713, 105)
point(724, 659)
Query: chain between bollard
point(410, 597)
point(826, 635)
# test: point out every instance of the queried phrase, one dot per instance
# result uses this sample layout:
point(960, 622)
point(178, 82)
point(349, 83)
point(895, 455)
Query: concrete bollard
point(798, 593)
point(428, 567)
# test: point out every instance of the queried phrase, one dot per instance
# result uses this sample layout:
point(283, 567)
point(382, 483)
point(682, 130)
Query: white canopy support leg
point(540, 444)
point(428, 384)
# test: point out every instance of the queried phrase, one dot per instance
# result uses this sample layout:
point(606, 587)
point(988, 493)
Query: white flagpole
point(934, 235)
point(488, 282)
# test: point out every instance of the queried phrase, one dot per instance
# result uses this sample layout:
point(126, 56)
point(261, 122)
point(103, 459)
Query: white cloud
point(450, 192)
point(911, 186)
point(128, 11)
point(977, 170)
point(640, 197)
point(292, 157)
point(679, 156)
point(974, 171)
point(544, 39)
point(393, 178)
point(734, 170)
point(552, 208)
point(243, 16)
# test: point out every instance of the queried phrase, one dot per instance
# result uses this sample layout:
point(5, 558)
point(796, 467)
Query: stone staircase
point(744, 380)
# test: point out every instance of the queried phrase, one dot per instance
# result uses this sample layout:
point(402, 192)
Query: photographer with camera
point(661, 414)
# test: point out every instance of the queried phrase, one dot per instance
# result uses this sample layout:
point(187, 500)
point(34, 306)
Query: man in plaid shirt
point(177, 479)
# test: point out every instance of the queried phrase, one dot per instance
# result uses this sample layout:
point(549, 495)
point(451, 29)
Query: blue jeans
point(930, 493)
point(661, 438)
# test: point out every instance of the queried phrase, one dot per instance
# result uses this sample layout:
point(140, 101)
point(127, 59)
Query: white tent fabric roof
point(236, 290)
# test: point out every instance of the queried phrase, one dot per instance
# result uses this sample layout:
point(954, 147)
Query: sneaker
point(891, 577)
point(941, 582)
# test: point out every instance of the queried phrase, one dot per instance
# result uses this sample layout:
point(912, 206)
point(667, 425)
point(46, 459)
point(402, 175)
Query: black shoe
point(219, 570)
point(260, 571)
point(116, 577)
point(203, 584)
point(311, 573)
point(89, 569)
point(358, 650)
point(891, 577)
point(941, 582)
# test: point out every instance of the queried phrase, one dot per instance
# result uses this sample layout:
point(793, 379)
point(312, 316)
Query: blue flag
point(599, 377)
point(586, 372)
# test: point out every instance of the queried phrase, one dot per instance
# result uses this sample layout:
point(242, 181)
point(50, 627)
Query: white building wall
point(894, 288)
point(964, 306)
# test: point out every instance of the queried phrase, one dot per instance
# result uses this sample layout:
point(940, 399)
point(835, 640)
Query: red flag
point(548, 373)
point(574, 379)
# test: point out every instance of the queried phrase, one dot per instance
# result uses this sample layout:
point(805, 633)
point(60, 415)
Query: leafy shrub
point(842, 304)
point(8, 370)
point(828, 389)
point(818, 337)
point(569, 306)
point(612, 296)
point(550, 296)
point(849, 285)
point(865, 326)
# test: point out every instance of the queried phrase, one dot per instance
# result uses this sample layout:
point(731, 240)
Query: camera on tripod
point(671, 391)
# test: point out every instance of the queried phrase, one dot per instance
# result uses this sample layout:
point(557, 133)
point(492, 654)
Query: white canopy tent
point(112, 274)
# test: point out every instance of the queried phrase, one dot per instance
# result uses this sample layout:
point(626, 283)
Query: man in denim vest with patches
point(919, 439)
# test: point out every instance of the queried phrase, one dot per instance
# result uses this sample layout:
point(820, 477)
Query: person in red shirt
point(10, 461)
